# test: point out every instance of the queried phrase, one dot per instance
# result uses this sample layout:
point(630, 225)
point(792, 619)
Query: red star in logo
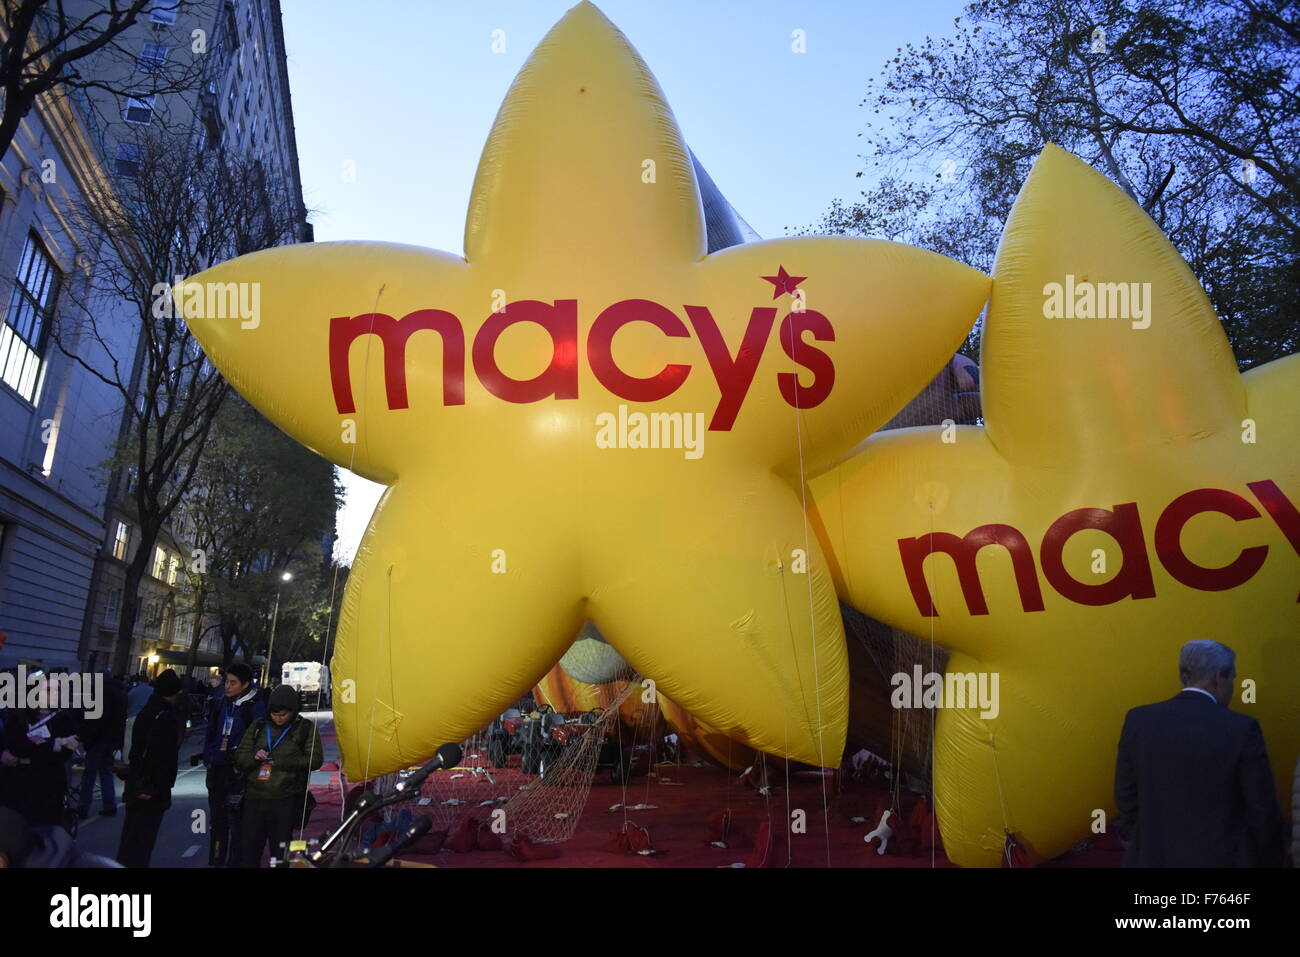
point(784, 282)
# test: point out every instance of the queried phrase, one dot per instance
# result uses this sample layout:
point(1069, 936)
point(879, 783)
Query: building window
point(22, 337)
point(159, 562)
point(121, 541)
point(112, 607)
point(153, 59)
point(164, 11)
point(128, 159)
point(173, 569)
point(138, 109)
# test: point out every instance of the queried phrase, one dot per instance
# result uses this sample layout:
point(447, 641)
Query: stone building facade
point(67, 526)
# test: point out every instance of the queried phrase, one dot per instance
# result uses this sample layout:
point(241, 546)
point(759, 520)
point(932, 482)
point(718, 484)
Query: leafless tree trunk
point(45, 46)
point(182, 212)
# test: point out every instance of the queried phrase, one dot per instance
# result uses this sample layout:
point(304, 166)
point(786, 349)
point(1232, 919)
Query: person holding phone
point(276, 755)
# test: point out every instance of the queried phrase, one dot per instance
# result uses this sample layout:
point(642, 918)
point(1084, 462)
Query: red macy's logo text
point(1122, 524)
point(559, 380)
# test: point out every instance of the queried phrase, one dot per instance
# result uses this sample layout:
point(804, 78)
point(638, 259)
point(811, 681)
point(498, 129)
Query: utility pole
point(275, 614)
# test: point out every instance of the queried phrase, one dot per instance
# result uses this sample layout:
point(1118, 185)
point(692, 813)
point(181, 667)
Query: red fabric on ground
point(629, 839)
point(725, 828)
point(522, 848)
point(486, 839)
point(762, 856)
point(923, 825)
point(463, 837)
point(685, 818)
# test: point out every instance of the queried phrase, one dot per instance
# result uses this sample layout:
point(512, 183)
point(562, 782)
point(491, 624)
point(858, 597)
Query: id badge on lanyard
point(226, 728)
point(264, 772)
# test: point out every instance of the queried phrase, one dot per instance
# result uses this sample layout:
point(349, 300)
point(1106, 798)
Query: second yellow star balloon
point(1128, 492)
point(588, 417)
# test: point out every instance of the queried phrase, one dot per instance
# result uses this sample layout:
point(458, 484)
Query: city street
point(183, 838)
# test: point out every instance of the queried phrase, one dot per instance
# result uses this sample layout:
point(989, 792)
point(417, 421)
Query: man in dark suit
point(1192, 781)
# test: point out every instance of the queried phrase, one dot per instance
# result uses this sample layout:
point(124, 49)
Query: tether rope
point(812, 617)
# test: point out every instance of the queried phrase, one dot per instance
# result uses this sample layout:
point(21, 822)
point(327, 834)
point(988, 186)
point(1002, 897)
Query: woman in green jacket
point(276, 755)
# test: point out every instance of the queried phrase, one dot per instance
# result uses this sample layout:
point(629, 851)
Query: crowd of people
point(258, 752)
point(1193, 782)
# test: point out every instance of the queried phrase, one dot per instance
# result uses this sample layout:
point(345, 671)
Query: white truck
point(311, 680)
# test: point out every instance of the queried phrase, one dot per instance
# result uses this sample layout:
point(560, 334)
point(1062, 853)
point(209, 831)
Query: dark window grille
point(164, 12)
point(138, 109)
point(23, 335)
point(153, 59)
point(128, 159)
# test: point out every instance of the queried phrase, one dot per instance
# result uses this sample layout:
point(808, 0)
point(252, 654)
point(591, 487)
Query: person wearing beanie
point(155, 741)
point(229, 716)
point(276, 756)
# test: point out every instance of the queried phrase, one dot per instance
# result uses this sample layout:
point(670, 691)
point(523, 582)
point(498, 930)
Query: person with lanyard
point(229, 716)
point(38, 743)
point(276, 755)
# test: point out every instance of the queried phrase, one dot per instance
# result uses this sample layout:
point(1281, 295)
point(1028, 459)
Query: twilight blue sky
point(402, 93)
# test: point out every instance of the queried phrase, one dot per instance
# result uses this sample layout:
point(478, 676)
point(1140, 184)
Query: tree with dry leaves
point(1191, 108)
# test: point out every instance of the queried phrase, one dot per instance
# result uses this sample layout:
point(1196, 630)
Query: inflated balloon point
point(1129, 491)
point(587, 416)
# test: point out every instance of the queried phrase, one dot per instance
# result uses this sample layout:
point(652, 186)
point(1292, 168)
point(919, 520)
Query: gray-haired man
point(1192, 781)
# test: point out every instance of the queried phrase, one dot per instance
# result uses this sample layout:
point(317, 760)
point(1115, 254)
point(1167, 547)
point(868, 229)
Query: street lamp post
point(275, 614)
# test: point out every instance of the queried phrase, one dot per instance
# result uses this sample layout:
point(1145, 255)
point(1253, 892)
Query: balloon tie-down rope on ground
point(789, 827)
point(352, 462)
point(812, 625)
point(548, 808)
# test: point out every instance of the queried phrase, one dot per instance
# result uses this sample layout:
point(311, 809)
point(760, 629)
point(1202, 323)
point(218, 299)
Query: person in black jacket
point(155, 740)
point(101, 736)
point(38, 743)
point(1192, 780)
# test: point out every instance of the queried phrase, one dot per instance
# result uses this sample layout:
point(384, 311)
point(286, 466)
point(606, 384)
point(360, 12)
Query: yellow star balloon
point(1129, 491)
point(587, 417)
